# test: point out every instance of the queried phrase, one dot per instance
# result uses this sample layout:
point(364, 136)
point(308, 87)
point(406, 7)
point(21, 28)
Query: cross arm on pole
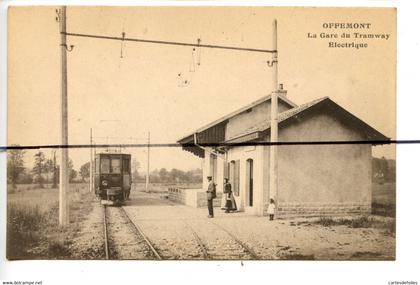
point(198, 44)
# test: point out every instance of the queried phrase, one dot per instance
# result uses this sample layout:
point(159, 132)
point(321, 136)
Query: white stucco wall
point(243, 154)
point(311, 177)
point(323, 175)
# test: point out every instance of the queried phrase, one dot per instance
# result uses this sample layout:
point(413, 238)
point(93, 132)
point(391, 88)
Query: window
point(250, 182)
point(237, 174)
point(104, 165)
point(115, 165)
point(234, 173)
point(126, 166)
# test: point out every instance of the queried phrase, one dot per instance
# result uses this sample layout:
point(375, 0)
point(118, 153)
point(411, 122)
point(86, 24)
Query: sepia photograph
point(201, 133)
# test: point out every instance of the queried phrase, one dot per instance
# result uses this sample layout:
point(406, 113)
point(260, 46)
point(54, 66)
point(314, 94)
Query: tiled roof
point(243, 109)
point(283, 116)
point(290, 113)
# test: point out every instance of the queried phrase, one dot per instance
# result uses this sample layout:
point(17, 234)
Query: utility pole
point(274, 120)
point(91, 163)
point(64, 182)
point(148, 161)
point(54, 171)
point(274, 95)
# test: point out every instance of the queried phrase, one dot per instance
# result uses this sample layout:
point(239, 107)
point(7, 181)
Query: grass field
point(384, 199)
point(32, 221)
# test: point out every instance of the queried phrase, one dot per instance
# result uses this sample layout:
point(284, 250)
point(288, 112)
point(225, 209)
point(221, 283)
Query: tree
point(163, 175)
point(39, 168)
point(135, 165)
point(14, 165)
point(71, 172)
point(49, 167)
point(25, 177)
point(176, 175)
point(84, 171)
point(55, 171)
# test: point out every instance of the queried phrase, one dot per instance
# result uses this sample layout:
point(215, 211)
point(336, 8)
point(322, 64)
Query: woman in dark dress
point(230, 199)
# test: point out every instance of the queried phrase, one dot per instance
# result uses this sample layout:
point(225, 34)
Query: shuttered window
point(236, 177)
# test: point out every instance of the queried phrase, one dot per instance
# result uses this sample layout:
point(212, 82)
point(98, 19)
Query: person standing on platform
point(230, 205)
point(211, 194)
point(271, 209)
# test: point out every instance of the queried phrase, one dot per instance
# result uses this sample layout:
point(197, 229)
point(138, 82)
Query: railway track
point(199, 242)
point(182, 238)
point(220, 250)
point(123, 239)
point(248, 250)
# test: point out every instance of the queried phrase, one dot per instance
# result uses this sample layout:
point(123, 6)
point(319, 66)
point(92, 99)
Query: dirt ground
point(169, 226)
point(182, 232)
point(89, 241)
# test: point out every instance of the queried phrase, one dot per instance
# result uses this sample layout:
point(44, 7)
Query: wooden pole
point(274, 119)
point(148, 161)
point(64, 182)
point(91, 163)
point(54, 171)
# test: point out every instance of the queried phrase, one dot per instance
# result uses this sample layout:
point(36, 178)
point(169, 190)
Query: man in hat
point(211, 194)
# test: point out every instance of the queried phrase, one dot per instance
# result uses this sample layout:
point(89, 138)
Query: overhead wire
point(169, 42)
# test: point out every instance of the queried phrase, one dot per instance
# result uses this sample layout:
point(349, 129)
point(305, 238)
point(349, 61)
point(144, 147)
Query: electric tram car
point(112, 177)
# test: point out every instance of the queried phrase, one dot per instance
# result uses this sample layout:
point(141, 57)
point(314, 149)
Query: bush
point(298, 256)
point(58, 249)
point(326, 221)
point(359, 222)
point(386, 210)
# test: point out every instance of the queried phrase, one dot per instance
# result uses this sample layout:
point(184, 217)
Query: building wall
point(313, 179)
point(266, 175)
point(245, 120)
point(220, 173)
point(196, 198)
point(206, 166)
point(243, 154)
point(323, 179)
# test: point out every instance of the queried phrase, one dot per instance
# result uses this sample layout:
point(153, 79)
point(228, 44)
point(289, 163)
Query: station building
point(313, 179)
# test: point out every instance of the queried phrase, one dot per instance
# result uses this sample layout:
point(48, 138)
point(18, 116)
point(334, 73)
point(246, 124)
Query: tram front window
point(116, 165)
point(105, 166)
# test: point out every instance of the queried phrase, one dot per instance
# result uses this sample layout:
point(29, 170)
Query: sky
point(125, 98)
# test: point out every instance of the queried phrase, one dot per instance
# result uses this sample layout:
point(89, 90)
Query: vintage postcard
point(201, 133)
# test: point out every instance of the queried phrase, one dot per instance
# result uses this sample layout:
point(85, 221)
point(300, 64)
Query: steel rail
point(142, 234)
point(197, 238)
point(106, 235)
point(199, 241)
point(244, 246)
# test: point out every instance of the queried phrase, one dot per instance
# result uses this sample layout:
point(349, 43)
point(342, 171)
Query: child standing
point(271, 208)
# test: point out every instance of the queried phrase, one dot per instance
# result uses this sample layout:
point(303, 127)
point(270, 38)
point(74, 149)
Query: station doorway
point(249, 183)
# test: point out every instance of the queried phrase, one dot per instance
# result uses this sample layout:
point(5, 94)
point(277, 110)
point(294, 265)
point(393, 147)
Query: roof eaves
point(292, 112)
point(265, 125)
point(228, 116)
